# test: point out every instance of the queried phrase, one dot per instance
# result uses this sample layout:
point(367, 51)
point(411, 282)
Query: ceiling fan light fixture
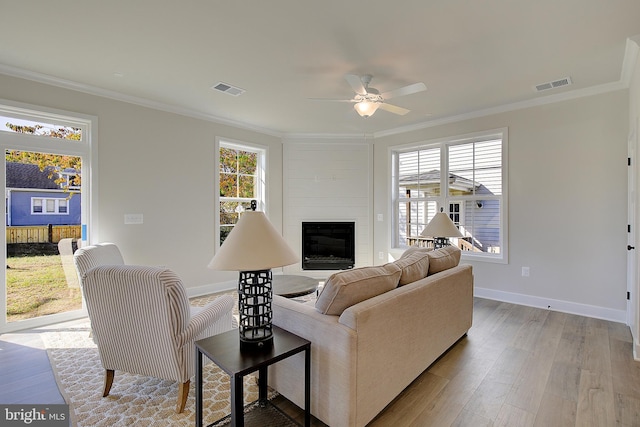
point(366, 108)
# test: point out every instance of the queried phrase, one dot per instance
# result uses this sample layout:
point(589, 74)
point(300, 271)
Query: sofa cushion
point(443, 259)
point(414, 266)
point(349, 287)
point(413, 250)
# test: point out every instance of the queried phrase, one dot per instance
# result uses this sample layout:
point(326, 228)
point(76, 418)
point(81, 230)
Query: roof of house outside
point(432, 179)
point(23, 175)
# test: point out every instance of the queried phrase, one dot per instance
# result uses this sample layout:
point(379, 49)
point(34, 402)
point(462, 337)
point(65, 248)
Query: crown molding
point(117, 96)
point(632, 50)
point(550, 99)
point(630, 57)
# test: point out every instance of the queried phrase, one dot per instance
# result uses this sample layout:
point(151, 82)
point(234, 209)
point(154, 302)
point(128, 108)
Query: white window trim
point(260, 197)
point(87, 147)
point(444, 197)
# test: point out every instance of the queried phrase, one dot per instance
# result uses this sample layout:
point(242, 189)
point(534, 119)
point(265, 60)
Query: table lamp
point(441, 228)
point(253, 248)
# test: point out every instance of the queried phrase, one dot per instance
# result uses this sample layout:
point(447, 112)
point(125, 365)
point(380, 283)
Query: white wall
point(567, 191)
point(161, 165)
point(567, 204)
point(328, 180)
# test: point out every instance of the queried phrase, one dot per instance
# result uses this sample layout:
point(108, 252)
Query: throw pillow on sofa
point(414, 266)
point(415, 249)
point(349, 287)
point(443, 259)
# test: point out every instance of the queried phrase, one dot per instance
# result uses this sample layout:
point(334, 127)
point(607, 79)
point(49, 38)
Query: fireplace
point(328, 245)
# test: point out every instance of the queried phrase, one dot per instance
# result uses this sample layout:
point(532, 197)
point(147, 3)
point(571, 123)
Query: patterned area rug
point(259, 416)
point(134, 400)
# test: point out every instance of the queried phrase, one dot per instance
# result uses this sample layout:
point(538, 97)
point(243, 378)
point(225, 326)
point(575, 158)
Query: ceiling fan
point(368, 99)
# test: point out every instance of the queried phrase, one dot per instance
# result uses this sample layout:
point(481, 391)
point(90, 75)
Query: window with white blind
point(464, 177)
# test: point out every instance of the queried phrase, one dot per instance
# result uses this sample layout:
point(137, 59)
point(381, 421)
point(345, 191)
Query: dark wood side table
point(292, 286)
point(224, 351)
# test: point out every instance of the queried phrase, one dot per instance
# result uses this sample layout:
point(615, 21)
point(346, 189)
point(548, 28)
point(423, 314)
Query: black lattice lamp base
point(440, 242)
point(254, 304)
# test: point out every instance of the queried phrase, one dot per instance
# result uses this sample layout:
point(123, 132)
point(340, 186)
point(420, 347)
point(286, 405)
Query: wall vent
point(228, 89)
point(554, 84)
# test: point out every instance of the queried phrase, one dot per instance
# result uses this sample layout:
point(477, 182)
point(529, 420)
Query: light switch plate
point(133, 219)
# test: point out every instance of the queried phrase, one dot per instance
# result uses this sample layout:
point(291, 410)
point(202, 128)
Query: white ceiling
point(472, 55)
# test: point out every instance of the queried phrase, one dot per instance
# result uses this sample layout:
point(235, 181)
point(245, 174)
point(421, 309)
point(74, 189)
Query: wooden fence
point(42, 233)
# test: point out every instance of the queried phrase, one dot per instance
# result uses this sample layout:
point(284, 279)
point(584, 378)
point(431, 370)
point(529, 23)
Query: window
point(58, 128)
point(464, 177)
point(49, 206)
point(69, 179)
point(241, 180)
point(61, 141)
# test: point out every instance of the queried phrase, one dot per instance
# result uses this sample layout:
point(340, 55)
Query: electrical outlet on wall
point(525, 271)
point(381, 255)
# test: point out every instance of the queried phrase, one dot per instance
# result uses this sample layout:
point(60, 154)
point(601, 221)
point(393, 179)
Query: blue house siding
point(19, 208)
point(25, 182)
point(486, 222)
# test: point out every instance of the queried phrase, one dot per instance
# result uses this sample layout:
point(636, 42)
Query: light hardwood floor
point(25, 373)
point(517, 366)
point(523, 366)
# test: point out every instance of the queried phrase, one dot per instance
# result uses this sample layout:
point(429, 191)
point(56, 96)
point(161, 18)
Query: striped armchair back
point(92, 256)
point(138, 315)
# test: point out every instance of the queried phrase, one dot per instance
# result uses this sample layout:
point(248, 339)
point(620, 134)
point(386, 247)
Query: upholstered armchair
point(143, 324)
point(85, 258)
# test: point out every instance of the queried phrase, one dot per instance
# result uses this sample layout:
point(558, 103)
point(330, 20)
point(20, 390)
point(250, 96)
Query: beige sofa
point(371, 349)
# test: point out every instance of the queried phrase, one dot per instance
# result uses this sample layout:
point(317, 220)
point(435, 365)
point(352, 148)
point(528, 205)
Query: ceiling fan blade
point(356, 84)
point(332, 100)
point(407, 90)
point(393, 109)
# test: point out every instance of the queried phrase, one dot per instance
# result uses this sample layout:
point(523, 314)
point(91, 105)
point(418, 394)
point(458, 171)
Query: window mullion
point(444, 177)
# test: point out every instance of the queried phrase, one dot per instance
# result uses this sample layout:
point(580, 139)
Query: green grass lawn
point(36, 286)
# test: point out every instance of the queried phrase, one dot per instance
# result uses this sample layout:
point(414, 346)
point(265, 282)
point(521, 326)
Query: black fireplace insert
point(328, 245)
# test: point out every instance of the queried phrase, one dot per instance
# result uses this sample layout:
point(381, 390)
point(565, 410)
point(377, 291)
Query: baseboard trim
point(603, 313)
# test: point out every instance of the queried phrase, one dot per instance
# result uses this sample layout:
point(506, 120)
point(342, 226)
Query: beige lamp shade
point(441, 226)
point(253, 245)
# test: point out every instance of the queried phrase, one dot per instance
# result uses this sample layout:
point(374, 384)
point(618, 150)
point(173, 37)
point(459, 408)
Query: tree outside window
point(240, 182)
point(63, 168)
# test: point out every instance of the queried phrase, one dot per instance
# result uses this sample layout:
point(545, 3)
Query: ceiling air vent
point(554, 84)
point(228, 89)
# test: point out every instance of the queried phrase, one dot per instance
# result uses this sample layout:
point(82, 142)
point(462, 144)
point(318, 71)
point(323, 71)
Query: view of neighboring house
point(477, 218)
point(33, 197)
